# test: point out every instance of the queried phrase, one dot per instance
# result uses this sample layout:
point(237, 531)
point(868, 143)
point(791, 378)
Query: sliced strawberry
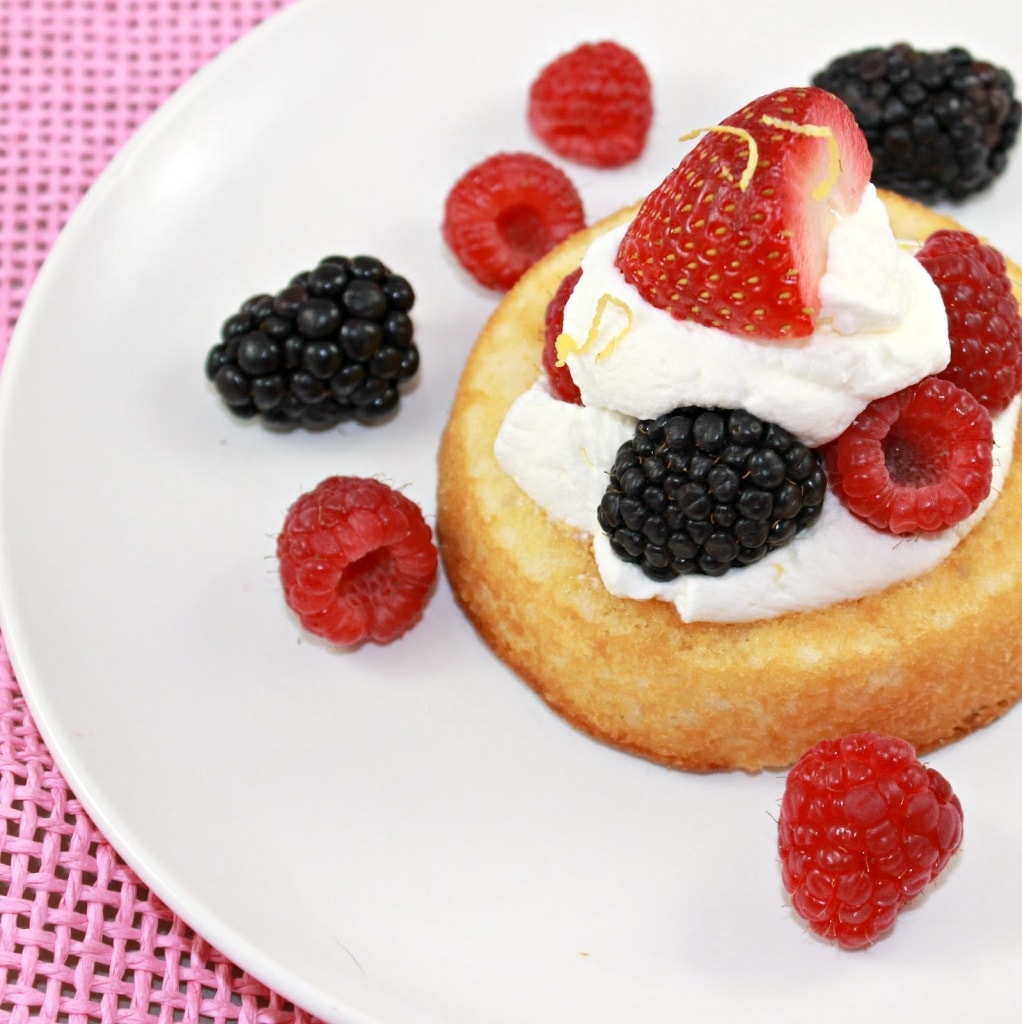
point(736, 236)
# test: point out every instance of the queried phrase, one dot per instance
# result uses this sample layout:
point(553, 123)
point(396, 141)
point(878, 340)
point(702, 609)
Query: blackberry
point(334, 345)
point(707, 490)
point(938, 124)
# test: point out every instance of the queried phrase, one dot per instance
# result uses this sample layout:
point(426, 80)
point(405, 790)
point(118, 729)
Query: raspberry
point(593, 105)
point(506, 212)
point(983, 318)
point(559, 376)
point(864, 828)
point(357, 560)
point(917, 460)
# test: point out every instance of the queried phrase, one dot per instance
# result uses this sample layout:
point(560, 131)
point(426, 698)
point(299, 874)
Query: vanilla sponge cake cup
point(929, 659)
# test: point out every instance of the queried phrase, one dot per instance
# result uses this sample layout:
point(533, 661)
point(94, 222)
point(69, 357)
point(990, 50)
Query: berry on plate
point(939, 124)
point(984, 325)
point(736, 236)
point(919, 460)
point(506, 212)
point(593, 105)
point(333, 345)
point(556, 369)
point(357, 560)
point(864, 827)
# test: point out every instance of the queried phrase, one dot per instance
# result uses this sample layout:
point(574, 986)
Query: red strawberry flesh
point(736, 236)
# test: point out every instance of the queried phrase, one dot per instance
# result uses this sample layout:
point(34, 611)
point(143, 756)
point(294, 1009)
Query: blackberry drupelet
point(707, 490)
point(938, 124)
point(334, 345)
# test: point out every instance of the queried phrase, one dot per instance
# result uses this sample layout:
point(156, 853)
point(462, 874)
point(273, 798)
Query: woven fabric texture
point(81, 937)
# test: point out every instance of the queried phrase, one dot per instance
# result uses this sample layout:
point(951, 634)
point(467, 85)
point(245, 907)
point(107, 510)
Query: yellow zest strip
point(566, 343)
point(819, 131)
point(601, 307)
point(750, 167)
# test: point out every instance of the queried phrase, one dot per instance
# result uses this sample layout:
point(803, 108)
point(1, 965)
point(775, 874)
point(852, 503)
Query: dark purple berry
point(708, 490)
point(938, 124)
point(333, 345)
point(365, 298)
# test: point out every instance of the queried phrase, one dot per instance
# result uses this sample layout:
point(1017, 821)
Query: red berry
point(357, 560)
point(864, 828)
point(593, 105)
point(736, 236)
point(507, 212)
point(917, 460)
point(559, 375)
point(983, 318)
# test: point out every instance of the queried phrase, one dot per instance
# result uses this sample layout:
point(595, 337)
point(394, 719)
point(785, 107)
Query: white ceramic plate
point(406, 834)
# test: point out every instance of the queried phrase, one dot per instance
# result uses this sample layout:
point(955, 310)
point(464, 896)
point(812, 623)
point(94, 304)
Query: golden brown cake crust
point(930, 659)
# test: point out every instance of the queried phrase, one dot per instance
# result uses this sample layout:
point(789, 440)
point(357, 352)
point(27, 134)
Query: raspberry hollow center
point(523, 229)
point(370, 573)
point(915, 460)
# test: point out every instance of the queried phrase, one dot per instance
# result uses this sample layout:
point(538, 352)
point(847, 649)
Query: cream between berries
point(641, 361)
point(880, 327)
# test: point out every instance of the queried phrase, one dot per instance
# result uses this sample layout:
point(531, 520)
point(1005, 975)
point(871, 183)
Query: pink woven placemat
point(81, 937)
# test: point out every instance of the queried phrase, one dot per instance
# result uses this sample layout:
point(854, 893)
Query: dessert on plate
point(721, 479)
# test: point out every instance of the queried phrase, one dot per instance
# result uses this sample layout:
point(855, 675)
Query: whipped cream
point(882, 327)
point(869, 342)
